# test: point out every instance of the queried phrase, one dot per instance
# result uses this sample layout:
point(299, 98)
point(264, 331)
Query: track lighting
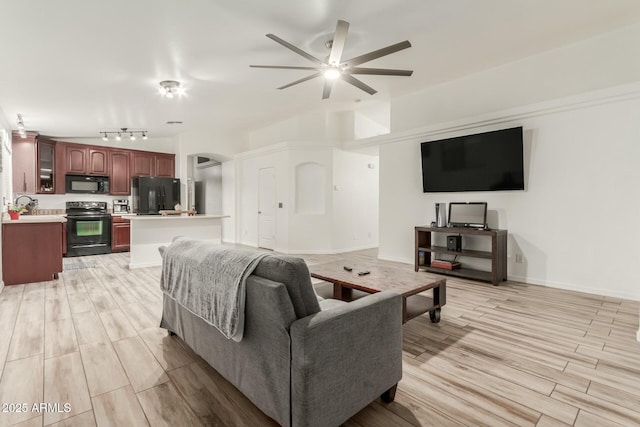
point(117, 135)
point(21, 130)
point(170, 88)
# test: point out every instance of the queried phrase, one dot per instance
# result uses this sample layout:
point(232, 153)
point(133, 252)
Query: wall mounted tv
point(489, 161)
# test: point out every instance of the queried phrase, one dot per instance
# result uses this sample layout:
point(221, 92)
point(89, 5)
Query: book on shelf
point(447, 265)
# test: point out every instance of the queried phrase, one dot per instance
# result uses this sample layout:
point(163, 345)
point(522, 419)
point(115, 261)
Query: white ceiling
point(77, 67)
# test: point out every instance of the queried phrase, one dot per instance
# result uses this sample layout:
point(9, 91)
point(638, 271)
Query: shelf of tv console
point(497, 255)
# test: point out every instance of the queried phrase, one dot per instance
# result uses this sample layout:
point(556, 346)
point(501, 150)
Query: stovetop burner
point(86, 208)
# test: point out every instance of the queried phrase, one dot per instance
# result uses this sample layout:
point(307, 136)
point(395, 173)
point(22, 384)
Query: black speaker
point(454, 243)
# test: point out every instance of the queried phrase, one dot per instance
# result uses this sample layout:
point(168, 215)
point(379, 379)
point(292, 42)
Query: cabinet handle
point(24, 181)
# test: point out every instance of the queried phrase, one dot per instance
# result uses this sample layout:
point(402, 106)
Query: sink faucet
point(31, 205)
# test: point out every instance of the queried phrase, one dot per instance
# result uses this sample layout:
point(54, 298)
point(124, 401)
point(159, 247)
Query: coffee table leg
point(337, 291)
point(440, 295)
point(342, 293)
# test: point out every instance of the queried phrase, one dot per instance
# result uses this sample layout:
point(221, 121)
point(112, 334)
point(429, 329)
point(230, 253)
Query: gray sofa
point(302, 361)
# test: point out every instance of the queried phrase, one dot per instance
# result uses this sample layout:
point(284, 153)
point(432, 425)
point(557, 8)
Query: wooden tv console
point(497, 255)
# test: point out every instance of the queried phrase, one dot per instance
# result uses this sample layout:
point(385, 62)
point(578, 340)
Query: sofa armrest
point(344, 358)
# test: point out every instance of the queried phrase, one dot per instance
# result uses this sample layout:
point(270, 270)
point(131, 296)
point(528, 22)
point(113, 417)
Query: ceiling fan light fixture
point(332, 73)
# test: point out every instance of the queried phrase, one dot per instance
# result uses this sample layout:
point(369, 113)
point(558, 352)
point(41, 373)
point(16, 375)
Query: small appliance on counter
point(120, 206)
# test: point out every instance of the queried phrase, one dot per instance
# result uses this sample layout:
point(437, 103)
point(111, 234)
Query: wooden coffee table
point(386, 277)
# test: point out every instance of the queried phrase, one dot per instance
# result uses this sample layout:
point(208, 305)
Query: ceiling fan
point(335, 68)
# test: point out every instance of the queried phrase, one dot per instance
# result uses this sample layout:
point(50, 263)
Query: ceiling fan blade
point(326, 90)
point(284, 67)
point(380, 71)
point(378, 53)
point(295, 49)
point(359, 84)
point(339, 40)
point(304, 79)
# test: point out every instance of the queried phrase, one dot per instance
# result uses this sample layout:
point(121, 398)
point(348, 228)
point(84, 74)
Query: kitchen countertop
point(174, 217)
point(33, 218)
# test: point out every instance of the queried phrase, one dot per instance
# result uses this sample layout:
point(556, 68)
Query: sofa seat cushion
point(294, 274)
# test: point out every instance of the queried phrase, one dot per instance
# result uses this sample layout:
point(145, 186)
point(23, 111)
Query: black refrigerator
point(151, 194)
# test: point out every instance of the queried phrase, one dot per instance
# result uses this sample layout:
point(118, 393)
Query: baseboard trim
point(575, 288)
point(323, 251)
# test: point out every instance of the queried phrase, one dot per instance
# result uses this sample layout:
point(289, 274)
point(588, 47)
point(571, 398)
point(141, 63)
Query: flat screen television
point(489, 161)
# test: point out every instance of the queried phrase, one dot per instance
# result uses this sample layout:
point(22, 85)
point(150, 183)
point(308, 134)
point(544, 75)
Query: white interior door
point(267, 209)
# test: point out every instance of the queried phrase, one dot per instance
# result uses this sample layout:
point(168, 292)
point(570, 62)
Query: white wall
point(229, 225)
point(598, 63)
point(576, 222)
point(355, 201)
point(349, 220)
point(248, 167)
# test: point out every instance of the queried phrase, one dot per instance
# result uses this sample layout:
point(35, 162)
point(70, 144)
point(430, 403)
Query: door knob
point(259, 212)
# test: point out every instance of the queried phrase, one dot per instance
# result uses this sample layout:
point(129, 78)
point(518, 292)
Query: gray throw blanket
point(209, 280)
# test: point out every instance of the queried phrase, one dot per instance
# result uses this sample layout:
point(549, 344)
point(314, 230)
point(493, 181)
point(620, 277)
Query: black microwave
point(87, 184)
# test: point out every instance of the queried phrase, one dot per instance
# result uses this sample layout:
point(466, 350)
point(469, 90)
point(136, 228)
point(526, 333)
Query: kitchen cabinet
point(87, 160)
point(23, 159)
point(31, 251)
point(119, 173)
point(152, 164)
point(142, 163)
point(120, 234)
point(76, 159)
point(98, 161)
point(165, 165)
point(46, 179)
point(34, 165)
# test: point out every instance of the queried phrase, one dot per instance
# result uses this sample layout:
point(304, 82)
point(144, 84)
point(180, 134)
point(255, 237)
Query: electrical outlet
point(519, 258)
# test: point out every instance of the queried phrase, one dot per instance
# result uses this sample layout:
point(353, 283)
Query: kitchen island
point(149, 232)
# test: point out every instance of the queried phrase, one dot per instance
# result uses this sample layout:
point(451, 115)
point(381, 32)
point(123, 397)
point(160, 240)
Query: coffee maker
point(121, 206)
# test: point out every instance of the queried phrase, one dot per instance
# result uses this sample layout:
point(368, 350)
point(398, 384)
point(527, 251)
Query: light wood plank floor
point(501, 356)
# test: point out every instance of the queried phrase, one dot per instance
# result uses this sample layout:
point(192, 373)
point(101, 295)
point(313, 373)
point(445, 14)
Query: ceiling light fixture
point(332, 73)
point(117, 134)
point(170, 88)
point(21, 130)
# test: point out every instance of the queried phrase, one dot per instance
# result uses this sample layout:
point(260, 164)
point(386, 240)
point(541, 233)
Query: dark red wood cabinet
point(98, 161)
point(23, 158)
point(76, 159)
point(142, 164)
point(119, 173)
point(165, 165)
point(120, 234)
point(31, 251)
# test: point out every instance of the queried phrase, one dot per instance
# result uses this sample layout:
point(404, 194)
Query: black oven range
point(88, 228)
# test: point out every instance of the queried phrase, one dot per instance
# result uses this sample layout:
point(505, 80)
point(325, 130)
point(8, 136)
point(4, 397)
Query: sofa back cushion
point(294, 274)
